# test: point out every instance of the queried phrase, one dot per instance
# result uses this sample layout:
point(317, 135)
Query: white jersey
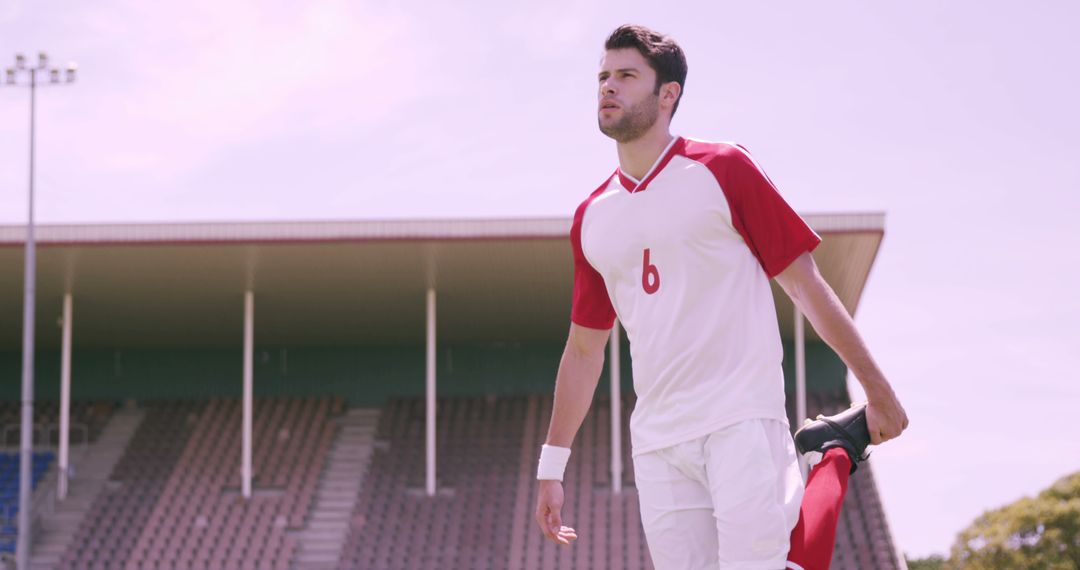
point(684, 257)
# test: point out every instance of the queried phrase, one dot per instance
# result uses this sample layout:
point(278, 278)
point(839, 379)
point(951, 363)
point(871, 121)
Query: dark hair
point(665, 56)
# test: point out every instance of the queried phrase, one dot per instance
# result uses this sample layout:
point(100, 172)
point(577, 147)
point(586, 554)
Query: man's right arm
point(575, 383)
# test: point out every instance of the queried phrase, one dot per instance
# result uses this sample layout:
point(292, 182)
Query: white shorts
point(726, 500)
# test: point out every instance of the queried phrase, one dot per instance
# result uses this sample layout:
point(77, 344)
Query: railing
point(17, 429)
point(75, 427)
point(44, 500)
point(46, 435)
point(7, 520)
point(43, 434)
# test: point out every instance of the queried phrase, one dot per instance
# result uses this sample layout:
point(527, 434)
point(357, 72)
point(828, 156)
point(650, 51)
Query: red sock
point(814, 536)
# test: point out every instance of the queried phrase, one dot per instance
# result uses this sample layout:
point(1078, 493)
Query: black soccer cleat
point(846, 430)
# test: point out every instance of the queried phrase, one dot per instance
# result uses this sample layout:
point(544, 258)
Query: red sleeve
point(591, 306)
point(771, 229)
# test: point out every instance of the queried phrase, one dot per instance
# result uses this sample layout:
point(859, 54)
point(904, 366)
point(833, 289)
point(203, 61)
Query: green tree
point(1041, 533)
point(935, 562)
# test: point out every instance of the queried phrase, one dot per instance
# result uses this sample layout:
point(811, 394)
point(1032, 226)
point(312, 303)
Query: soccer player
point(680, 243)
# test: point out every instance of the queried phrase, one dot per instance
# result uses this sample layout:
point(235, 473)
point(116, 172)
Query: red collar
point(675, 147)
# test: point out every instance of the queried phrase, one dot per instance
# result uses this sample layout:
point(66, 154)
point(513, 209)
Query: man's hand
point(801, 280)
point(549, 502)
point(885, 417)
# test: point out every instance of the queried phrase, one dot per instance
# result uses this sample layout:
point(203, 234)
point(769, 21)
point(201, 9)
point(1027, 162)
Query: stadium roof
point(334, 282)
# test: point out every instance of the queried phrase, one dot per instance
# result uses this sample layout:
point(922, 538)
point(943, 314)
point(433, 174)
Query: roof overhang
point(335, 282)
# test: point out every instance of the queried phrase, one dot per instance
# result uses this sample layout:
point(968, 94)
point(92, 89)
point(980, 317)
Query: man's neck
point(637, 156)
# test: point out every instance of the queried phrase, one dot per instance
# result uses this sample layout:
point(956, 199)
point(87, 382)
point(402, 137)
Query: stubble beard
point(635, 122)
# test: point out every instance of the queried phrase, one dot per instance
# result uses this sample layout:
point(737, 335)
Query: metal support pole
point(616, 411)
point(800, 377)
point(65, 401)
point(26, 442)
point(249, 354)
point(431, 392)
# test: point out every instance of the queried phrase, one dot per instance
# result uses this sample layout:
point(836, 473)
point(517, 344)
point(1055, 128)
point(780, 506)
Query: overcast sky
point(958, 120)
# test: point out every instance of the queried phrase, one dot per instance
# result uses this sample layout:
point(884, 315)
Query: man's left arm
point(885, 417)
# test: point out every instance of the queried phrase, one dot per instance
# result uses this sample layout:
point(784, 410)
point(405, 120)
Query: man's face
point(628, 103)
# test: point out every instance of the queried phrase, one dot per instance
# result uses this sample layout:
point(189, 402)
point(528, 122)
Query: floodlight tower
point(24, 75)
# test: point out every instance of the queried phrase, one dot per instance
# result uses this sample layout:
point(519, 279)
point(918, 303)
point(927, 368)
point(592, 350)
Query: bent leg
point(753, 474)
point(814, 537)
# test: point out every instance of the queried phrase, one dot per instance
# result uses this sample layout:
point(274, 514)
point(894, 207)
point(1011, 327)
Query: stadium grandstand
point(368, 394)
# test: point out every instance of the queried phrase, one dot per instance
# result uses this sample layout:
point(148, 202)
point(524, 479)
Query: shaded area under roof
point(334, 283)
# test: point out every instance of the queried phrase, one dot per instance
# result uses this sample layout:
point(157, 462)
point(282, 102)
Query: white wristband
point(552, 462)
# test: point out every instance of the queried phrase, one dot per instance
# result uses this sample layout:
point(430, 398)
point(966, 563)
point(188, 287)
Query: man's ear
point(669, 93)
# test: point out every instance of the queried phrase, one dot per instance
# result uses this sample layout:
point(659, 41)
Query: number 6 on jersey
point(650, 275)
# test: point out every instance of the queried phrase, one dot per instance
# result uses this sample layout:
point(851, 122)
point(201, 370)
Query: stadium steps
point(92, 473)
point(321, 540)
